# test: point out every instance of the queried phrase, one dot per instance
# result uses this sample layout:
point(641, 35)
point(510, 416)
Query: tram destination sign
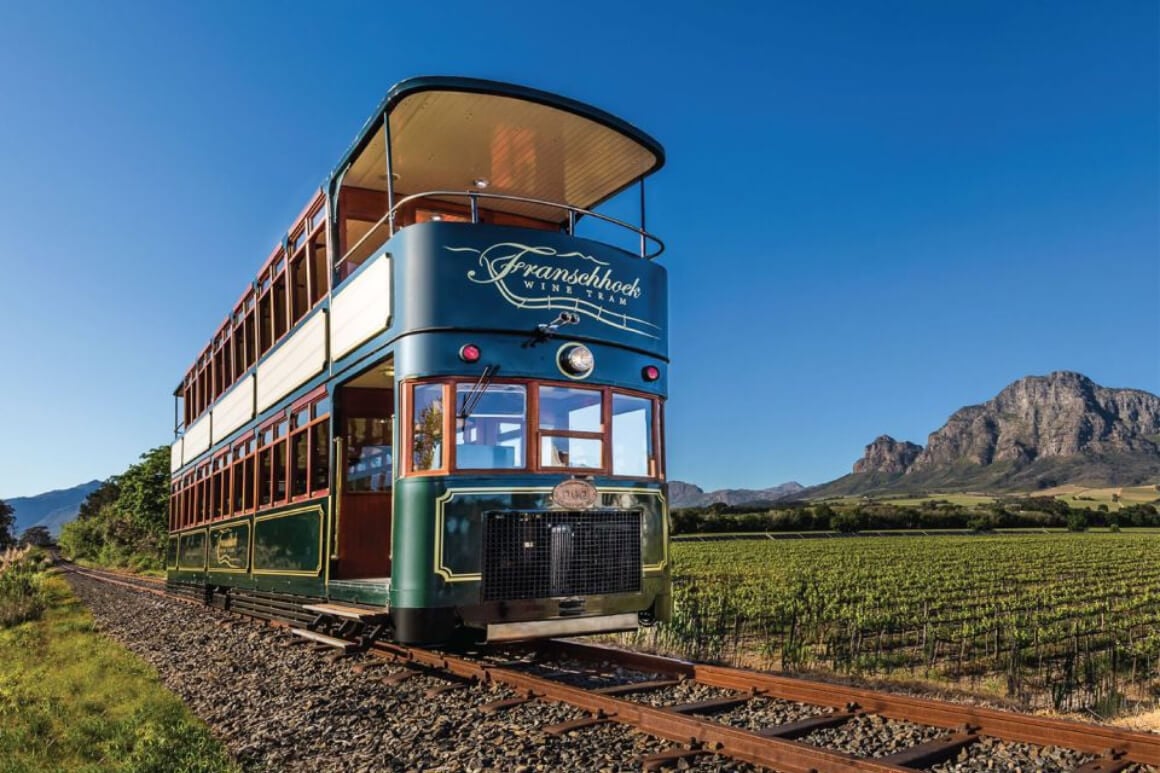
point(540, 277)
point(480, 275)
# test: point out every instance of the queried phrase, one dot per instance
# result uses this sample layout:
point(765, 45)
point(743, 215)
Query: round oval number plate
point(574, 494)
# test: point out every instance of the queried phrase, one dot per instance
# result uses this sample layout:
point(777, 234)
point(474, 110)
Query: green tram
point(438, 404)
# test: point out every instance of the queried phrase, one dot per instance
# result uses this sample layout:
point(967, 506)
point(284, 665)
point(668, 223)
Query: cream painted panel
point(234, 409)
point(295, 361)
point(362, 308)
point(175, 456)
point(196, 439)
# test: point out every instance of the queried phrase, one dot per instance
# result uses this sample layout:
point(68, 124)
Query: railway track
point(784, 724)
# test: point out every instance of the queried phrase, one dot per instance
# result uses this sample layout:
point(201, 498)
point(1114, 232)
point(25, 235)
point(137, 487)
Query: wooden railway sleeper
point(1111, 761)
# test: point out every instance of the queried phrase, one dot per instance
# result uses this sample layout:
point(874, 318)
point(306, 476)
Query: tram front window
point(490, 427)
point(572, 427)
point(427, 440)
point(632, 441)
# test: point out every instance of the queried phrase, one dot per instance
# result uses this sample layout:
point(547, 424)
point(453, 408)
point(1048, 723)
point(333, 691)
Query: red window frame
point(533, 432)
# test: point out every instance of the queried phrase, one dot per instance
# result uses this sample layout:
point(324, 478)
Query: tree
point(39, 536)
point(7, 523)
point(1077, 521)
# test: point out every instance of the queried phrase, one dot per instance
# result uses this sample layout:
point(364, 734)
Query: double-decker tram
point(440, 402)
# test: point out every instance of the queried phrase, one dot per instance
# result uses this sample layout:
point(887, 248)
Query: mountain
point(1038, 432)
point(51, 509)
point(683, 494)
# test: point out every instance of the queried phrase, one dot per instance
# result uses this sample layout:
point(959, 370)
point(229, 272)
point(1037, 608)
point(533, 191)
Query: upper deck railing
point(473, 197)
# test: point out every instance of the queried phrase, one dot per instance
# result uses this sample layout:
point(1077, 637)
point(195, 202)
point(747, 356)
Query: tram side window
point(367, 430)
point(490, 427)
point(309, 448)
point(299, 292)
point(571, 428)
point(280, 461)
point(266, 467)
point(280, 300)
point(427, 427)
point(632, 438)
point(320, 457)
point(238, 481)
point(318, 263)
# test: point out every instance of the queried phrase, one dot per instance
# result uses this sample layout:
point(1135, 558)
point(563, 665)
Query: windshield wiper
point(472, 398)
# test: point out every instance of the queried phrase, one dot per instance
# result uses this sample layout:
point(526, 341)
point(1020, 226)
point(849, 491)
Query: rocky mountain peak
point(886, 454)
point(1061, 414)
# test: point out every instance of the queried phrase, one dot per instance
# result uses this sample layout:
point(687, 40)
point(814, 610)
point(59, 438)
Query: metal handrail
point(474, 196)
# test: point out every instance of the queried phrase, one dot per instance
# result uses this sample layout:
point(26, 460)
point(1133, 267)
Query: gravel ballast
point(279, 704)
point(280, 707)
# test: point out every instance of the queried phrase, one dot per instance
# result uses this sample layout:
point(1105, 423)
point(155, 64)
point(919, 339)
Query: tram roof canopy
point(462, 134)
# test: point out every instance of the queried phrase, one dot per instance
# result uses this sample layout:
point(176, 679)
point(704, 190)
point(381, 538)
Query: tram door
point(365, 411)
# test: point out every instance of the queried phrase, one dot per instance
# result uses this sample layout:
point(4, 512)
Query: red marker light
point(651, 372)
point(469, 353)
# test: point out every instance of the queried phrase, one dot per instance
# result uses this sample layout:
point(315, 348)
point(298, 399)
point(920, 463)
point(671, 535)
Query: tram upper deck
point(471, 198)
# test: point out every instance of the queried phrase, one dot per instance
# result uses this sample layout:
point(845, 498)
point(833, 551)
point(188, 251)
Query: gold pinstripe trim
point(288, 572)
point(249, 547)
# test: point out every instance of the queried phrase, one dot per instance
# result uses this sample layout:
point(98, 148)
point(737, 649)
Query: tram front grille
point(534, 554)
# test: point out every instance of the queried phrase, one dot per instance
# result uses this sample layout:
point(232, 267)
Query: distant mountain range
point(51, 509)
point(1038, 432)
point(688, 495)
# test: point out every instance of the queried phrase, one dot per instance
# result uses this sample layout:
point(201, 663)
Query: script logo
point(584, 285)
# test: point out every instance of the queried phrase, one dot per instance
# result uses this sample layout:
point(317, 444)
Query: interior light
point(577, 360)
point(469, 353)
point(437, 217)
point(481, 182)
point(651, 372)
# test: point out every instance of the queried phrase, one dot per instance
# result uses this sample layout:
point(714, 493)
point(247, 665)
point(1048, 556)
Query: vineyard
point(1070, 621)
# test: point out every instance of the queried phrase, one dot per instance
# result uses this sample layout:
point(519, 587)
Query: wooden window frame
point(311, 404)
point(533, 432)
point(222, 490)
point(604, 435)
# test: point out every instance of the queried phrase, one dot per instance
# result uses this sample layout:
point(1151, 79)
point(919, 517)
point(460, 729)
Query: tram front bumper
point(568, 626)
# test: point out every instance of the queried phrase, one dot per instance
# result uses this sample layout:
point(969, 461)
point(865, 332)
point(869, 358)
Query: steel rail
point(970, 723)
point(1005, 725)
point(787, 756)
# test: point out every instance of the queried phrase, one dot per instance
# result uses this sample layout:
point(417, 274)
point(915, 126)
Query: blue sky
point(876, 212)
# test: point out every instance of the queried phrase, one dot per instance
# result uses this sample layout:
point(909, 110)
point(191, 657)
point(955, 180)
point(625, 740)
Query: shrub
point(1077, 522)
point(22, 597)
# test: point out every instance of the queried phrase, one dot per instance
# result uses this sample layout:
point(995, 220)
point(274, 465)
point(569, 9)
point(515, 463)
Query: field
point(1061, 620)
point(1076, 496)
point(71, 699)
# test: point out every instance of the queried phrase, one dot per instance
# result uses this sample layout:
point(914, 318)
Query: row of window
point(293, 281)
point(535, 427)
point(284, 460)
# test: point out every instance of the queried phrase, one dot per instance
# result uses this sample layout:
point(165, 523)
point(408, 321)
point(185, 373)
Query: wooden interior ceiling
point(446, 140)
point(381, 376)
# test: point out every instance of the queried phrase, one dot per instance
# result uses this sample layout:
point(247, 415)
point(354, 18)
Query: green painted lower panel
point(192, 550)
point(171, 553)
point(289, 542)
point(229, 548)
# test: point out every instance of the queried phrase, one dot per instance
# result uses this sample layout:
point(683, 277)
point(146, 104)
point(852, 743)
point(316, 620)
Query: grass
point(71, 700)
point(119, 568)
point(1079, 496)
point(1076, 496)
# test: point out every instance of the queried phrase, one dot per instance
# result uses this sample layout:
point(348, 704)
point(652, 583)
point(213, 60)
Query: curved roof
point(447, 133)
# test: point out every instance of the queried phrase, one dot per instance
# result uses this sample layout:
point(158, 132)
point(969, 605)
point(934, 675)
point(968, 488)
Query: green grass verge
point(72, 700)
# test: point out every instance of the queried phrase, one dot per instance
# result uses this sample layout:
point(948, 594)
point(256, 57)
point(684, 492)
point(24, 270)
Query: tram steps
point(322, 638)
point(348, 613)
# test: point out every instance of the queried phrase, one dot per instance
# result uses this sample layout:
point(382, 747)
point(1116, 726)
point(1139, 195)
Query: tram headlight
point(576, 360)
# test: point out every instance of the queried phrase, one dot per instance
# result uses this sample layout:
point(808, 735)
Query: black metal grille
point(535, 554)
